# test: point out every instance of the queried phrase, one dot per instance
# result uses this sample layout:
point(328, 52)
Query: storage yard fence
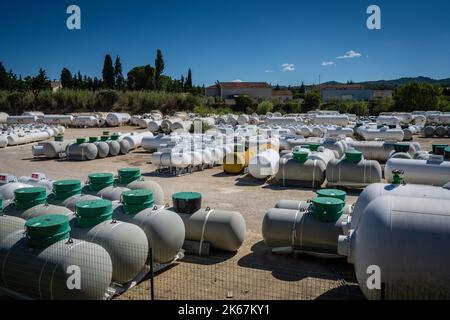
point(76, 269)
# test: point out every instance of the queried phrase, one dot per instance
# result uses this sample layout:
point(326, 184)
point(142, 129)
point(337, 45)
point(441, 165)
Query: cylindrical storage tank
point(143, 123)
point(81, 151)
point(300, 230)
point(441, 131)
point(407, 135)
point(52, 149)
point(388, 120)
point(415, 232)
point(420, 120)
point(7, 190)
point(124, 145)
point(3, 117)
point(433, 172)
point(117, 119)
point(85, 121)
point(264, 164)
point(224, 230)
point(298, 170)
point(61, 119)
point(111, 193)
point(428, 131)
point(243, 119)
point(353, 171)
point(154, 187)
point(337, 120)
point(9, 225)
point(126, 243)
point(164, 229)
point(154, 126)
point(21, 119)
point(37, 150)
point(114, 147)
point(376, 190)
point(235, 162)
point(102, 147)
point(3, 141)
point(41, 264)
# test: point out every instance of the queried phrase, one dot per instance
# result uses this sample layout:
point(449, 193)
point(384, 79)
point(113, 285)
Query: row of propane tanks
point(112, 119)
point(23, 134)
point(110, 228)
point(88, 149)
point(402, 229)
point(343, 163)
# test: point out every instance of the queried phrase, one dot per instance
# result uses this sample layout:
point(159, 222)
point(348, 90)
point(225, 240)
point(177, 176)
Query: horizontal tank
point(411, 256)
point(164, 229)
point(224, 230)
point(353, 171)
point(435, 172)
point(125, 243)
point(46, 273)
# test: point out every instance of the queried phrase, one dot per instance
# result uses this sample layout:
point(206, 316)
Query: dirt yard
point(254, 272)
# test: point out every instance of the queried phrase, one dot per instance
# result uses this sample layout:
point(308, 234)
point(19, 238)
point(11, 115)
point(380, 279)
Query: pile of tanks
point(13, 135)
point(82, 149)
point(109, 230)
point(112, 119)
point(398, 230)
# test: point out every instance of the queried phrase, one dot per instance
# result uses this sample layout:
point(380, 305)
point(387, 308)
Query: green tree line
point(145, 77)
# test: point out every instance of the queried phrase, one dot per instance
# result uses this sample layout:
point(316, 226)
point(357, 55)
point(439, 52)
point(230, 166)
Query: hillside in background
point(391, 84)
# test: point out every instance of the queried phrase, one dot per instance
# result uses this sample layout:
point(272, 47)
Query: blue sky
point(228, 40)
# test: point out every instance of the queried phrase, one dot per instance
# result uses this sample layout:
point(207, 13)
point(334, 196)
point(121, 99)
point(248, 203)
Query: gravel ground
point(253, 272)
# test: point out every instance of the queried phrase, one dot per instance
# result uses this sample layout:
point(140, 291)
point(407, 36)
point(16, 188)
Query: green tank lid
point(1, 205)
point(332, 193)
point(81, 140)
point(401, 147)
point(99, 181)
point(93, 212)
point(104, 138)
point(314, 146)
point(127, 175)
point(64, 189)
point(353, 156)
point(187, 202)
point(105, 133)
point(93, 139)
point(26, 198)
point(137, 200)
point(447, 153)
point(46, 230)
point(115, 137)
point(440, 149)
point(305, 146)
point(436, 146)
point(327, 209)
point(300, 156)
point(59, 138)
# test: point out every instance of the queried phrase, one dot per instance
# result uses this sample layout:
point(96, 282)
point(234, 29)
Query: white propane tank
point(407, 239)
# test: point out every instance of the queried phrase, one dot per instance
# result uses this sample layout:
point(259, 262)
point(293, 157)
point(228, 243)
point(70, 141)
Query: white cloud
point(237, 80)
point(350, 55)
point(328, 63)
point(268, 71)
point(288, 67)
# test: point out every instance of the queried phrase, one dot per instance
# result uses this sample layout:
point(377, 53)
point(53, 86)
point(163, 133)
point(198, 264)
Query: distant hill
point(391, 84)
